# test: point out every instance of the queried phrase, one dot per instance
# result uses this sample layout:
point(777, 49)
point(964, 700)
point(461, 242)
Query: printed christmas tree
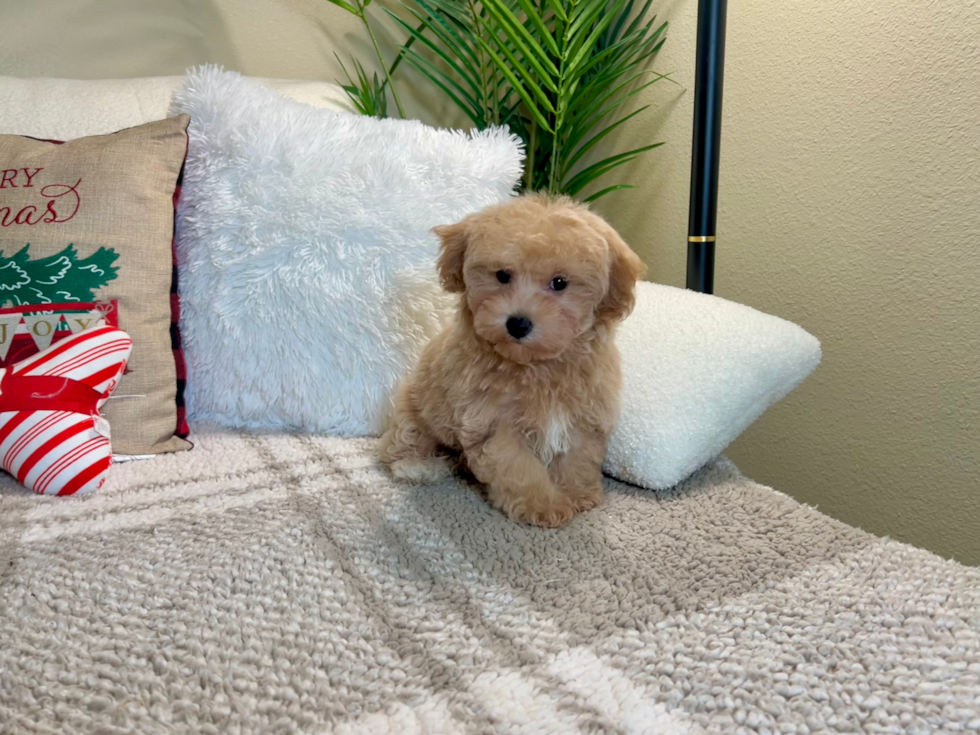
point(56, 279)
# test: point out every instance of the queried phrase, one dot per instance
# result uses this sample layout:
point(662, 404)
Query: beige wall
point(853, 207)
point(850, 203)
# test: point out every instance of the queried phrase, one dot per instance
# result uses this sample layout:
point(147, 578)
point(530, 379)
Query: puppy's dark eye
point(558, 283)
point(503, 276)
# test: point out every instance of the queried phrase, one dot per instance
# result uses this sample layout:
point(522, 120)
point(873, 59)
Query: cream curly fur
point(531, 416)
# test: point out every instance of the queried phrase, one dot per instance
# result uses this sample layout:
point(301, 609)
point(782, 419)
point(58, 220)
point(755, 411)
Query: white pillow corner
point(697, 371)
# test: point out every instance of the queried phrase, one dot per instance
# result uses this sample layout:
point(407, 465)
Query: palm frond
point(570, 162)
point(450, 59)
point(587, 176)
point(345, 5)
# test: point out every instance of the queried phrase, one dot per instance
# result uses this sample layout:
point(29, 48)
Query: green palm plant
point(557, 72)
point(367, 94)
point(363, 94)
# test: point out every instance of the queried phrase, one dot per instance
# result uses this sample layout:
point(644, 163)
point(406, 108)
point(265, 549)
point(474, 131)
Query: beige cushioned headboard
point(67, 108)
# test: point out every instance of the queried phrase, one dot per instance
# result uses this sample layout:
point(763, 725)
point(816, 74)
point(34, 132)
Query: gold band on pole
point(701, 238)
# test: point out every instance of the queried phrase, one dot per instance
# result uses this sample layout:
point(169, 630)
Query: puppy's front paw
point(552, 512)
point(585, 498)
point(426, 471)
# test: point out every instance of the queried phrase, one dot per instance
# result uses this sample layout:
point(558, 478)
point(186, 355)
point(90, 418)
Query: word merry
point(10, 176)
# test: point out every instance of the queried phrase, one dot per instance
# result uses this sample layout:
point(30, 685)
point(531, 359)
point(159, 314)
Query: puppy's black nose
point(519, 326)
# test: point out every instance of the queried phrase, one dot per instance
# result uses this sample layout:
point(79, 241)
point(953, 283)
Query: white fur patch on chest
point(554, 438)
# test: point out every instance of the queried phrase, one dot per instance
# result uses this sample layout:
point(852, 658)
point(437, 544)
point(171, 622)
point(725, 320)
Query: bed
point(280, 582)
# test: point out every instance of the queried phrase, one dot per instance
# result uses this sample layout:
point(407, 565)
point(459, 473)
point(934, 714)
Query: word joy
point(47, 327)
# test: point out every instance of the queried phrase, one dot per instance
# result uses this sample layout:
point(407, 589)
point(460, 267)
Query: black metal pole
point(709, 72)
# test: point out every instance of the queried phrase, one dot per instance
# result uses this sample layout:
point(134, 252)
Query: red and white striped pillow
point(52, 437)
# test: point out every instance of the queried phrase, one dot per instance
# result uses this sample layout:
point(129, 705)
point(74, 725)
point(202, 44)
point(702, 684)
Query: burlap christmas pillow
point(86, 231)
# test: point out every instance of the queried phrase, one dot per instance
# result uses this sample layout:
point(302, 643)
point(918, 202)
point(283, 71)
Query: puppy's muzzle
point(519, 327)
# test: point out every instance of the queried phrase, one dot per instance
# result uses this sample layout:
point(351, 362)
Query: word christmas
point(26, 202)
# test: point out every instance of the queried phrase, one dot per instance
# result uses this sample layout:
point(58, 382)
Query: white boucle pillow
point(697, 371)
point(301, 234)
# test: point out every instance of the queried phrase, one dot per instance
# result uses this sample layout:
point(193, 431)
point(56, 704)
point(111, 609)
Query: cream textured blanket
point(284, 584)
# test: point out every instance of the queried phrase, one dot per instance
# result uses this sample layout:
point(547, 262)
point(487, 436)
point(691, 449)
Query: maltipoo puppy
point(524, 386)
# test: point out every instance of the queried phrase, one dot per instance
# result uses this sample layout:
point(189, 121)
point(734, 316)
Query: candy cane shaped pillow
point(52, 437)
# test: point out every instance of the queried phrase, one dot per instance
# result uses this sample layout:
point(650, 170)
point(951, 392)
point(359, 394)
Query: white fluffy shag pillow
point(697, 371)
point(306, 261)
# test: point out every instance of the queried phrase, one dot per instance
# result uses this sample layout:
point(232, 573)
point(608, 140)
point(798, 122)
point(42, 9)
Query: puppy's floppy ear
point(452, 253)
point(625, 269)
